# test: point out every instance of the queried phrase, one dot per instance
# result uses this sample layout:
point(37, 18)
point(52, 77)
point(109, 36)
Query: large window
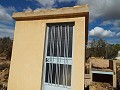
point(58, 65)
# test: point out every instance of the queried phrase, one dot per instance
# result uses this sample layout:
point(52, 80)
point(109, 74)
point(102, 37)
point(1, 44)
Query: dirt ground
point(100, 62)
point(101, 86)
point(4, 73)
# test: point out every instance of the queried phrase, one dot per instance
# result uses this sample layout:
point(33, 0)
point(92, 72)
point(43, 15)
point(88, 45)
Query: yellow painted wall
point(28, 54)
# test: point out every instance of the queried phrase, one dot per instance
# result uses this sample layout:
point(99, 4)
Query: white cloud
point(46, 3)
point(6, 21)
point(109, 9)
point(115, 28)
point(27, 9)
point(65, 0)
point(4, 13)
point(116, 23)
point(112, 22)
point(104, 23)
point(118, 34)
point(50, 3)
point(5, 30)
point(114, 41)
point(10, 9)
point(101, 33)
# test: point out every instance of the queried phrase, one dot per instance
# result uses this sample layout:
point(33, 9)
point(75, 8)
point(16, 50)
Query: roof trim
point(67, 12)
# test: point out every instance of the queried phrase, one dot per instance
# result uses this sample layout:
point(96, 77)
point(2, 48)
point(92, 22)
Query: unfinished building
point(105, 71)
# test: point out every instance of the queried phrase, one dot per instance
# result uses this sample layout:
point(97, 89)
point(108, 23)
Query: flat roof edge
point(75, 11)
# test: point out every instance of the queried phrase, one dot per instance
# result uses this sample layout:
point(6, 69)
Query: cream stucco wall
point(26, 69)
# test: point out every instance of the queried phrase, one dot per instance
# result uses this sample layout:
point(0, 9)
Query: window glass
point(60, 40)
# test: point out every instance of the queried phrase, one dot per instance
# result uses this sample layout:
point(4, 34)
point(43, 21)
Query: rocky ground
point(4, 73)
point(101, 86)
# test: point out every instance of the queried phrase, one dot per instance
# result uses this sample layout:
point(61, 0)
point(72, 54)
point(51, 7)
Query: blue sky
point(104, 21)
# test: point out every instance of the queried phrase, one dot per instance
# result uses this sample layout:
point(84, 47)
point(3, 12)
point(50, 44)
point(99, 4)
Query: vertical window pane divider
point(59, 54)
point(50, 57)
point(67, 52)
point(52, 41)
point(48, 63)
point(64, 61)
point(53, 46)
point(57, 78)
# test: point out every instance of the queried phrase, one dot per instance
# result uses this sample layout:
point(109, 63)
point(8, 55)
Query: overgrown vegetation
point(99, 48)
point(6, 47)
point(5, 56)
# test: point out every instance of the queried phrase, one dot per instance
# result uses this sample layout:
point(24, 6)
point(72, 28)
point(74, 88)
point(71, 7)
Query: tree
point(93, 47)
point(6, 46)
point(113, 50)
point(100, 48)
point(97, 48)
